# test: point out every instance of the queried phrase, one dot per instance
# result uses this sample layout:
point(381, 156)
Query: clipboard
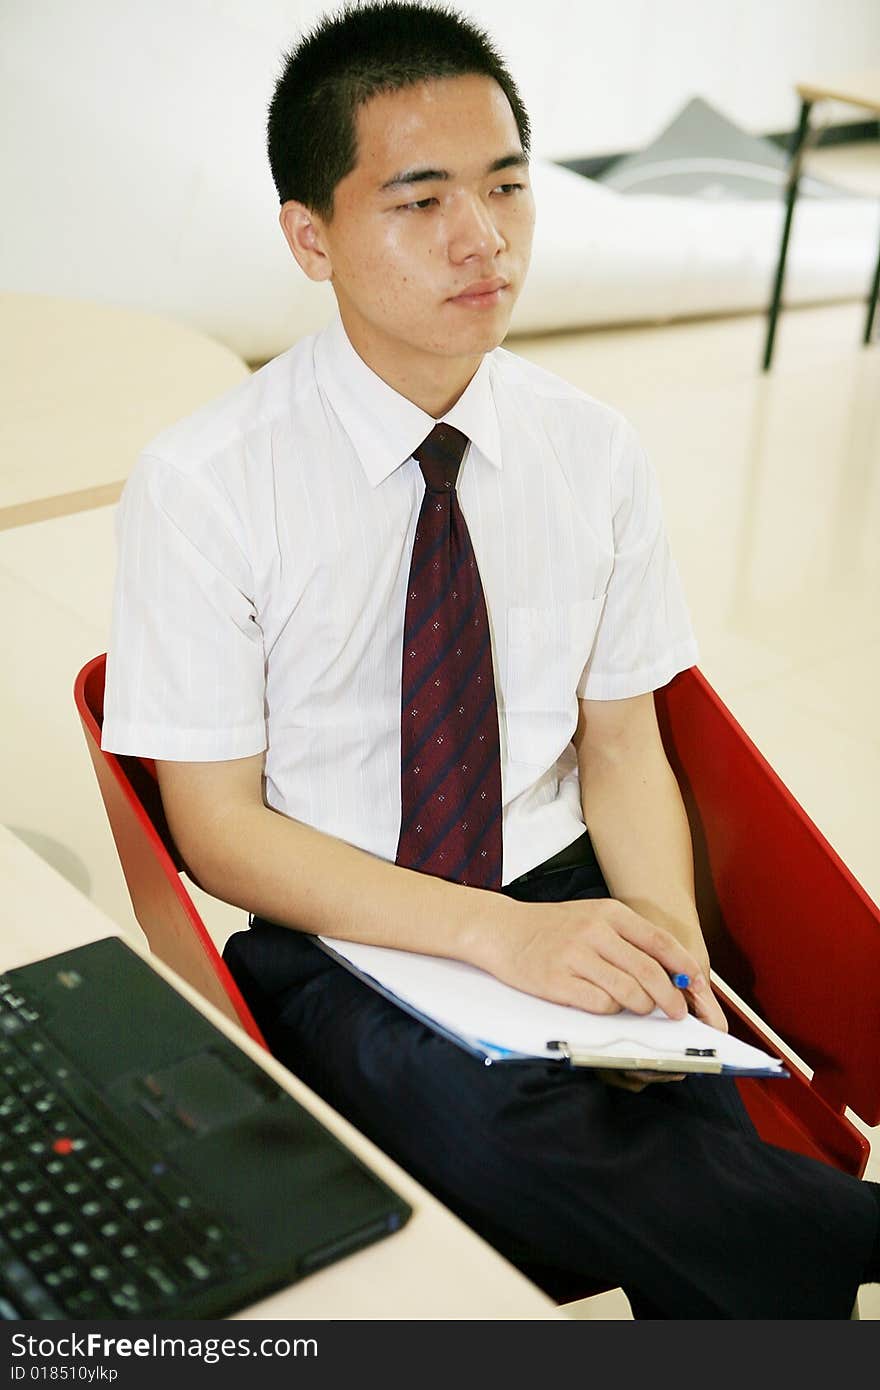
point(503, 1025)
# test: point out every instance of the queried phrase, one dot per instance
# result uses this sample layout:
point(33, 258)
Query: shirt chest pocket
point(547, 650)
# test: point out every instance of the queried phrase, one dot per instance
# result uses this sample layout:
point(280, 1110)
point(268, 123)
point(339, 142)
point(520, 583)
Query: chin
point(478, 338)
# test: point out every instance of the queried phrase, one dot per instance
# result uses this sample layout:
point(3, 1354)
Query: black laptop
point(148, 1167)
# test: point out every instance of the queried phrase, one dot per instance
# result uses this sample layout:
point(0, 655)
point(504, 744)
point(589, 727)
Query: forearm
point(300, 877)
point(633, 809)
point(596, 956)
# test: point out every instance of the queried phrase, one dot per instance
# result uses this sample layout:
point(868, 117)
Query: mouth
point(482, 294)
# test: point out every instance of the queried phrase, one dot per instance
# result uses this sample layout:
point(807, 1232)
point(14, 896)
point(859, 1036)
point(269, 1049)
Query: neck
point(431, 382)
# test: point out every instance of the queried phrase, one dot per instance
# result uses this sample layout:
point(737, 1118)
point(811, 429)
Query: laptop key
point(86, 1303)
point(62, 1278)
point(20, 1283)
point(197, 1268)
point(162, 1278)
point(128, 1303)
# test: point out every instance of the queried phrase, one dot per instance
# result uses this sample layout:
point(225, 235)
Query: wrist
point(690, 935)
point(680, 920)
point(485, 927)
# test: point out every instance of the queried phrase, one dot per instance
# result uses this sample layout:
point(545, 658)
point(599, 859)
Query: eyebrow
point(410, 176)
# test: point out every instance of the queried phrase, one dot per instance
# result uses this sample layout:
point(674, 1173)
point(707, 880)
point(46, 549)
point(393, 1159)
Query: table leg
point(872, 302)
point(794, 178)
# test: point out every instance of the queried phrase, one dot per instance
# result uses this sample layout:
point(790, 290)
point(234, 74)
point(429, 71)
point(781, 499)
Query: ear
point(303, 232)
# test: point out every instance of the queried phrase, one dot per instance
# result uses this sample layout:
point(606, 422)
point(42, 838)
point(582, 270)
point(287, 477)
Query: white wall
point(598, 75)
point(133, 162)
point(601, 76)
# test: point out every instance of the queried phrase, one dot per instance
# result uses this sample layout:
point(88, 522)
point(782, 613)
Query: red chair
point(150, 862)
point(789, 928)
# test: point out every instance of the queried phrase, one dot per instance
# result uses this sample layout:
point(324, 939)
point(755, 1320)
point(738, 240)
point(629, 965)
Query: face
point(431, 232)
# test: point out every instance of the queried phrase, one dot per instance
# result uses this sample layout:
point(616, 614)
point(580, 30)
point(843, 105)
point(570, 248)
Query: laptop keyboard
point(89, 1228)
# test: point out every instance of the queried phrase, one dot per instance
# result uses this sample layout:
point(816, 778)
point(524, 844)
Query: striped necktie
point(449, 745)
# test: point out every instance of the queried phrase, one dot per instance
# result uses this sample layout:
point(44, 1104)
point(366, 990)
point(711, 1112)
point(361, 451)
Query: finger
point(705, 1006)
point(640, 982)
point(579, 993)
point(668, 958)
point(650, 1077)
point(623, 1080)
point(619, 982)
point(636, 1080)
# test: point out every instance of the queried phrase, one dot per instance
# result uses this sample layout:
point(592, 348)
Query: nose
point(473, 232)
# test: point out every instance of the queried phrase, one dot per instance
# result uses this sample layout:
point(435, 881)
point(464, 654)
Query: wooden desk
point(84, 387)
point(857, 89)
point(434, 1268)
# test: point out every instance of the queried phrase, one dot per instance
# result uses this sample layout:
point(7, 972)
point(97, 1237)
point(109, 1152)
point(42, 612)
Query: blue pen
point(681, 981)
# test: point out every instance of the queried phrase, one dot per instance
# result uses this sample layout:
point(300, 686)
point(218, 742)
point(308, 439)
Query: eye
point(420, 206)
point(508, 188)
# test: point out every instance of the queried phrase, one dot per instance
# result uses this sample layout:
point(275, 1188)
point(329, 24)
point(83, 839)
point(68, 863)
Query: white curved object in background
point(134, 173)
point(607, 257)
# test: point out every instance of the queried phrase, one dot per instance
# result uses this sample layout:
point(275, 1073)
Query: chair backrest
point(150, 862)
point(789, 928)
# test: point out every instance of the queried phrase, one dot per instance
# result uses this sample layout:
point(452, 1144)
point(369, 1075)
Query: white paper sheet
point(485, 1012)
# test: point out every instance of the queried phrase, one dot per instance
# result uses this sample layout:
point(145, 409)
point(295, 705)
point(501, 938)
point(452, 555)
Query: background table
point(859, 89)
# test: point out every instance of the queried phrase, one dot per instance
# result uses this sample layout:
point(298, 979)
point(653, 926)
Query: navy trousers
point(668, 1192)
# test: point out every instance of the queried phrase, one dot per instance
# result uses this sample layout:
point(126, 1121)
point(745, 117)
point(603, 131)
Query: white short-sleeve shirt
point(264, 548)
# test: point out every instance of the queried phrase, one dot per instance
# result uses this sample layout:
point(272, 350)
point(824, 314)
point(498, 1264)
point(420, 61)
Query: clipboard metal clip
point(694, 1059)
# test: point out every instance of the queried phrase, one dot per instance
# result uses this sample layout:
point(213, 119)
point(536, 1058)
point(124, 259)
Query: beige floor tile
point(771, 483)
point(841, 693)
point(834, 775)
point(629, 365)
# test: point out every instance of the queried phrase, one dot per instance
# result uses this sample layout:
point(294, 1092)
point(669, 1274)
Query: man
point(390, 617)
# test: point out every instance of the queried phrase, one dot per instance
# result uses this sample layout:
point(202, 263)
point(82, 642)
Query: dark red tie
point(450, 775)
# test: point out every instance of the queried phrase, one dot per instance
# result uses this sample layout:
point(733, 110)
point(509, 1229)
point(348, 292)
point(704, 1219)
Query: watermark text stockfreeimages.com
point(65, 1357)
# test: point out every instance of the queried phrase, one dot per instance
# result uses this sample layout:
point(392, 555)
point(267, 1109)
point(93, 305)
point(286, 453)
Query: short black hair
point(349, 57)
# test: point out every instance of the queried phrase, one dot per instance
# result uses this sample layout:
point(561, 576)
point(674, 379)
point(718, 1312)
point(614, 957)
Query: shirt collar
point(384, 426)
